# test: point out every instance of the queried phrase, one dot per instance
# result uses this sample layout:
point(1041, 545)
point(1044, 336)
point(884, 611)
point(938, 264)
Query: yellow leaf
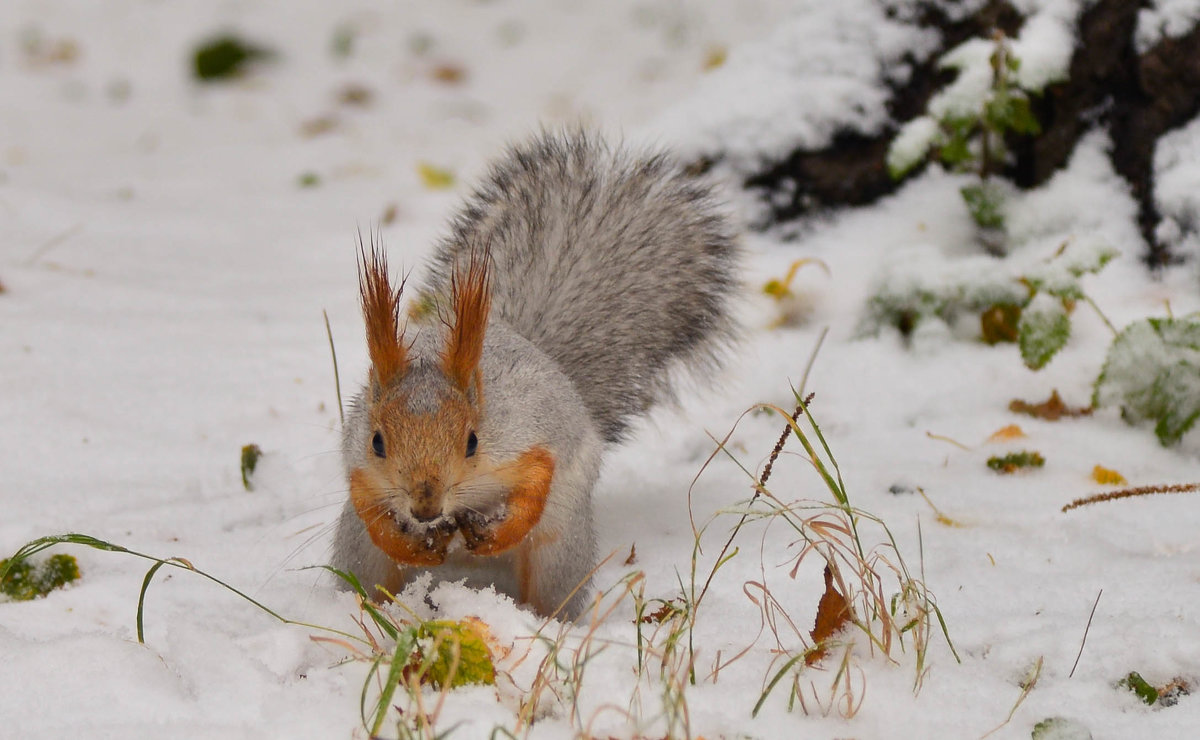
point(1106, 477)
point(435, 178)
point(1012, 431)
point(782, 288)
point(715, 57)
point(463, 656)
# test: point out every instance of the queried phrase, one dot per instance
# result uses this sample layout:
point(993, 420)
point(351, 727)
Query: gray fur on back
point(615, 263)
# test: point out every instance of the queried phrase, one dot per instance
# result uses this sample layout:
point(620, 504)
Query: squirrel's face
point(422, 475)
point(422, 456)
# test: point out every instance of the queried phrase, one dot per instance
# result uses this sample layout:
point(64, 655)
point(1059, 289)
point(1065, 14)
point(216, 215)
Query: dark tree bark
point(1136, 98)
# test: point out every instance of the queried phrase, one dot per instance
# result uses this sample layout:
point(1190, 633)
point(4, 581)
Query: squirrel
point(572, 282)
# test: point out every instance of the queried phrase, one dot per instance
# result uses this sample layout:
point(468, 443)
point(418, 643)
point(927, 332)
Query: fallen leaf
point(632, 555)
point(355, 94)
point(1052, 409)
point(715, 57)
point(1106, 477)
point(317, 126)
point(999, 323)
point(1012, 431)
point(448, 73)
point(780, 289)
point(433, 177)
point(469, 639)
point(833, 612)
point(663, 613)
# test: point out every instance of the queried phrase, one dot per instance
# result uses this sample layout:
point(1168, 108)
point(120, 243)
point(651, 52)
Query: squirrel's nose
point(426, 503)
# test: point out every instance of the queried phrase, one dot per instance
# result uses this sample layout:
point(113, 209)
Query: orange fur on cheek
point(399, 546)
point(532, 472)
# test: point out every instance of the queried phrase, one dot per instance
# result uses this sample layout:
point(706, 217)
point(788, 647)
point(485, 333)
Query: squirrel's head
point(420, 463)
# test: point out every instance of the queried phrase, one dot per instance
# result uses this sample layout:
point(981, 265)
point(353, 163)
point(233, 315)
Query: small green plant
point(21, 580)
point(1060, 728)
point(869, 592)
point(1139, 686)
point(1031, 307)
point(225, 56)
point(443, 654)
point(972, 138)
point(1152, 373)
point(1015, 461)
point(250, 456)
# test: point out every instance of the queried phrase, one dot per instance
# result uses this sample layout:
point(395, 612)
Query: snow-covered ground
point(164, 275)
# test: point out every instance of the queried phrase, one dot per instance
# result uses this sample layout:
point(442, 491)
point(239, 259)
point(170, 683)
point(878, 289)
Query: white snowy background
point(164, 276)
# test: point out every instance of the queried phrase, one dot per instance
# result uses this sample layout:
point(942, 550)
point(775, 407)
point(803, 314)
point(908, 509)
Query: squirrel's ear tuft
point(471, 294)
point(381, 312)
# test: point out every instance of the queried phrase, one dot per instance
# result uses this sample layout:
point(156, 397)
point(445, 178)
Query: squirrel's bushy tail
point(616, 263)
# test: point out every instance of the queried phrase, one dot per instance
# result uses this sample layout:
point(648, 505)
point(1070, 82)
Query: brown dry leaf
point(317, 126)
point(664, 612)
point(1012, 431)
point(355, 94)
point(999, 323)
point(389, 214)
point(833, 612)
point(448, 73)
point(40, 51)
point(1107, 477)
point(1052, 409)
point(632, 555)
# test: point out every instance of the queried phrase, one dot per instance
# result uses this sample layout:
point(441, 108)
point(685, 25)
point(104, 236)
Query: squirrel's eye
point(472, 444)
point(377, 444)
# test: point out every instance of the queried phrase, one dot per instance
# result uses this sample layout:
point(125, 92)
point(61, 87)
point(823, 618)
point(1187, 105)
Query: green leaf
point(1060, 728)
point(1152, 372)
point(250, 455)
point(985, 202)
point(21, 580)
point(1043, 330)
point(956, 153)
point(225, 56)
point(911, 145)
point(1021, 119)
point(1080, 262)
point(1138, 685)
point(462, 655)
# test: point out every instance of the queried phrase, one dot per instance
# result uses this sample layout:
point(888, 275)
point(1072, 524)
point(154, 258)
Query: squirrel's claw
point(531, 475)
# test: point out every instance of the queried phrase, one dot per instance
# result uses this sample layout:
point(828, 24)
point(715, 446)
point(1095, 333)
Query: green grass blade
point(42, 543)
point(141, 632)
point(400, 657)
point(771, 686)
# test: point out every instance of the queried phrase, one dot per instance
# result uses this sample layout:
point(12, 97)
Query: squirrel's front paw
point(402, 543)
point(530, 476)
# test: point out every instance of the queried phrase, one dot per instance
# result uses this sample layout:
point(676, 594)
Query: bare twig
point(51, 243)
point(1085, 634)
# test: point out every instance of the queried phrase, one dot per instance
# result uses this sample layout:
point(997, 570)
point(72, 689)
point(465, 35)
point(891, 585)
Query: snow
point(1177, 185)
point(820, 70)
point(164, 279)
point(1164, 19)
